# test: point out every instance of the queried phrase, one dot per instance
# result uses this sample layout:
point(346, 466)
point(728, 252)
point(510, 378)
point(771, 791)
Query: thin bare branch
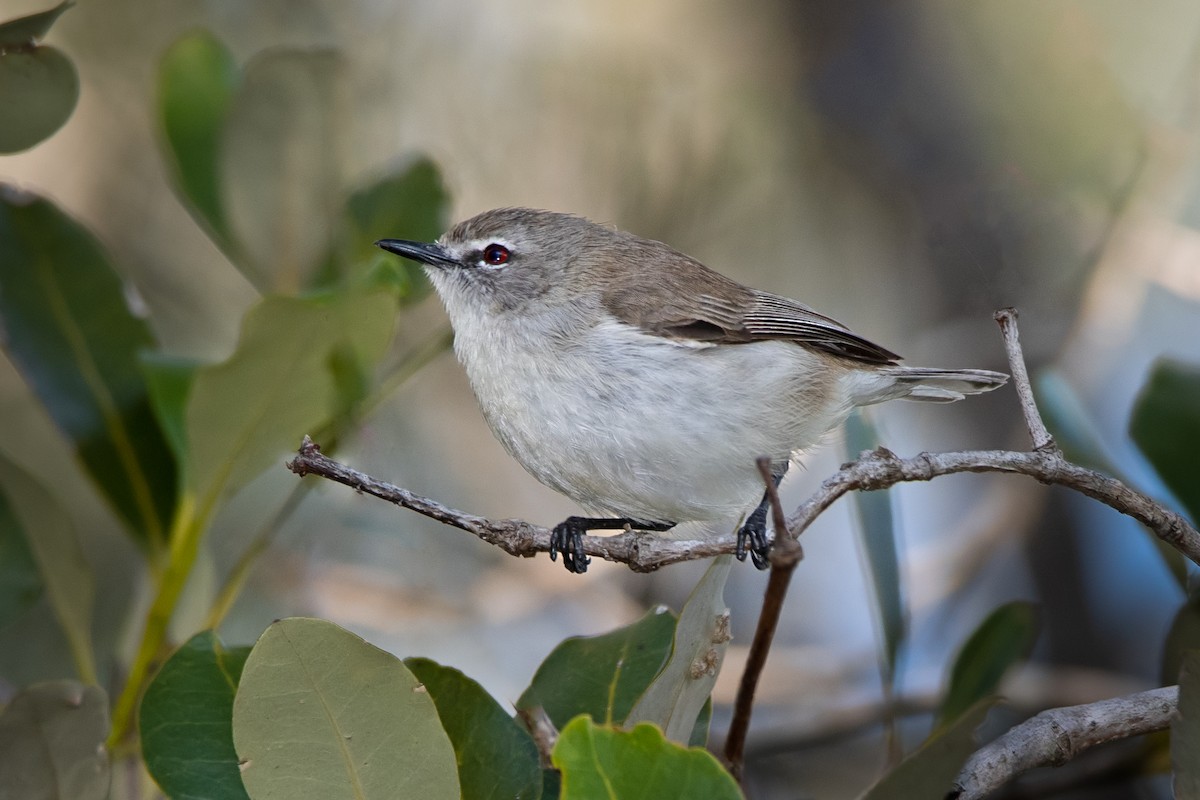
point(785, 555)
point(1006, 318)
point(874, 470)
point(1054, 737)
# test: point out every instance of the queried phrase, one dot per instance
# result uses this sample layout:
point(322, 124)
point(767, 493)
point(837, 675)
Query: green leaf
point(877, 540)
point(1004, 638)
point(279, 173)
point(322, 714)
point(411, 203)
point(601, 675)
point(497, 760)
point(1185, 729)
point(640, 764)
point(169, 382)
point(931, 770)
point(197, 81)
point(74, 339)
point(20, 582)
point(39, 88)
point(674, 699)
point(28, 30)
point(185, 721)
point(1166, 427)
point(60, 560)
point(52, 743)
point(245, 414)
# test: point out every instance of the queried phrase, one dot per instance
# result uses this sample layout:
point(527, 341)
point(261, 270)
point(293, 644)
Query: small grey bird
point(642, 384)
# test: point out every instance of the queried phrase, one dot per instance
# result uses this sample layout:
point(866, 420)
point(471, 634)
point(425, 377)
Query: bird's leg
point(754, 529)
point(567, 536)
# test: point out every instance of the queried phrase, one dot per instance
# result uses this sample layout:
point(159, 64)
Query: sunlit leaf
point(639, 764)
point(497, 759)
point(601, 675)
point(878, 540)
point(60, 561)
point(1166, 427)
point(197, 81)
point(321, 714)
point(20, 581)
point(411, 203)
point(931, 770)
point(69, 330)
point(1004, 638)
point(28, 30)
point(52, 743)
point(674, 699)
point(280, 172)
point(1185, 729)
point(186, 721)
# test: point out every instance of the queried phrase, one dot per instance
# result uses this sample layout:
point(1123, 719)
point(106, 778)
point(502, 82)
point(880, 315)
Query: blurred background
point(904, 167)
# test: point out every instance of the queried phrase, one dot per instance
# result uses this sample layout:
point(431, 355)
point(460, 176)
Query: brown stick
point(785, 555)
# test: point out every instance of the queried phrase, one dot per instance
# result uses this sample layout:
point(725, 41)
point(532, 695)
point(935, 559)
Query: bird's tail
point(943, 385)
point(927, 385)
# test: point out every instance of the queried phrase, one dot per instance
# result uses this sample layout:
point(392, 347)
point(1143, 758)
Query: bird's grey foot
point(567, 537)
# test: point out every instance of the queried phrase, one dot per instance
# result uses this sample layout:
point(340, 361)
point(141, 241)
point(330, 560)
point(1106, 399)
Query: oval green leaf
point(197, 81)
point(1166, 427)
point(185, 721)
point(280, 175)
point(52, 743)
point(25, 31)
point(69, 330)
point(1004, 638)
point(675, 698)
point(321, 714)
point(602, 676)
point(639, 764)
point(497, 759)
point(39, 88)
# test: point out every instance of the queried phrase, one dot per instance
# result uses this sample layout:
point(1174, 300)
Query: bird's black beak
point(432, 254)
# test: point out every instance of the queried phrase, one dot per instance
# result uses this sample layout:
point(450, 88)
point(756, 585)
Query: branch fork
point(871, 471)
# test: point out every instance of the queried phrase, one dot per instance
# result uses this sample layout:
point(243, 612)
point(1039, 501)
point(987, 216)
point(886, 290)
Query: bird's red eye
point(495, 254)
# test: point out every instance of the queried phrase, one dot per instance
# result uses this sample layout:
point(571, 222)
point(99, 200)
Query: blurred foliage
point(1166, 426)
point(254, 153)
point(1004, 638)
point(39, 86)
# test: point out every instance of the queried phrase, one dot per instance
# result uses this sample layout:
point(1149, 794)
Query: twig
point(1054, 737)
point(1006, 318)
point(785, 555)
point(877, 469)
point(542, 731)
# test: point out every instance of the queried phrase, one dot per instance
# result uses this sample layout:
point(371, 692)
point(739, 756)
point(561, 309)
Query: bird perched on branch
point(642, 384)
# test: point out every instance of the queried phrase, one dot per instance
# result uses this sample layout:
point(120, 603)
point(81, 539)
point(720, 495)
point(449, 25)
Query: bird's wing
point(750, 316)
